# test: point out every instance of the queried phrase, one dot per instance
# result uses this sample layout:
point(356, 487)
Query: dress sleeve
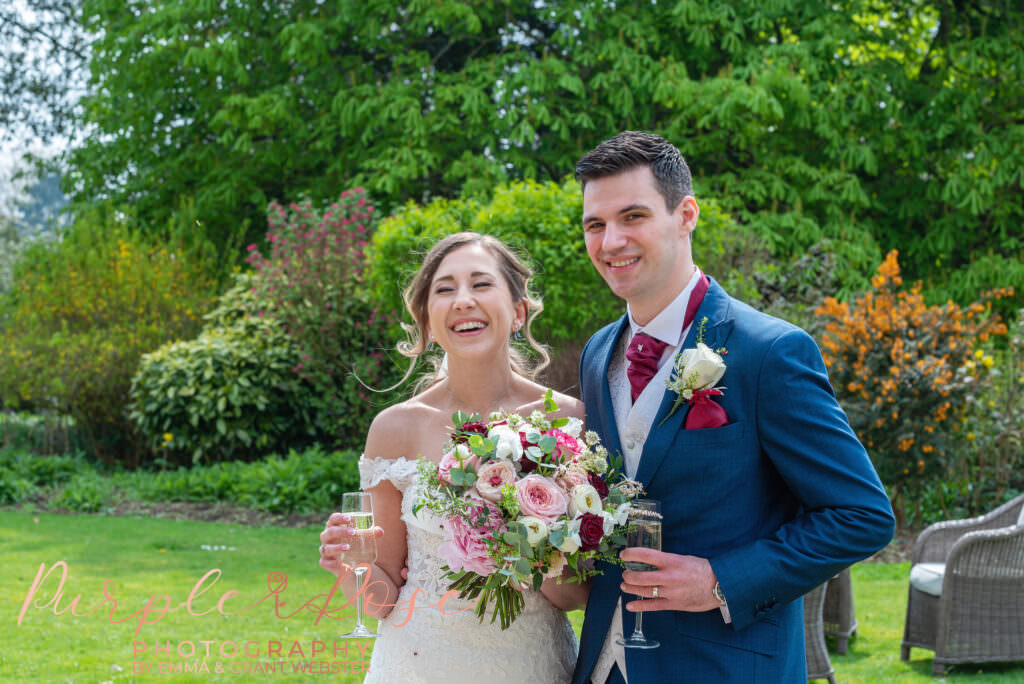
point(372, 471)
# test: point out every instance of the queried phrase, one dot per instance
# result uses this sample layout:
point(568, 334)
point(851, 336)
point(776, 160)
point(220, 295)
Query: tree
point(877, 124)
point(43, 61)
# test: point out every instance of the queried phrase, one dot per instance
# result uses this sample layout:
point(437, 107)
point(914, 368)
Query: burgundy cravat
point(643, 355)
point(644, 351)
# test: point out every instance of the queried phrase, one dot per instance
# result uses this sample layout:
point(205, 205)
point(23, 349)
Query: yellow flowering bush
point(896, 366)
point(82, 311)
point(988, 432)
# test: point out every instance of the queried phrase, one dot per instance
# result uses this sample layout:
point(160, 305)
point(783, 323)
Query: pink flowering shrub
point(312, 280)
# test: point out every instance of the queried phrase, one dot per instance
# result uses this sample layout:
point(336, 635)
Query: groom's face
point(640, 248)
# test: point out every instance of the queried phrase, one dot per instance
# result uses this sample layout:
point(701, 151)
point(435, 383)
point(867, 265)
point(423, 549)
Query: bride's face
point(470, 309)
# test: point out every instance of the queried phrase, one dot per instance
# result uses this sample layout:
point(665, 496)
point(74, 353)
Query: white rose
point(571, 542)
point(573, 428)
point(608, 521)
point(536, 529)
point(508, 444)
point(701, 367)
point(621, 515)
point(584, 499)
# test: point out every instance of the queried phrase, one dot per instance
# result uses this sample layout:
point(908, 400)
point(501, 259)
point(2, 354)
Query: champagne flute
point(362, 551)
point(644, 530)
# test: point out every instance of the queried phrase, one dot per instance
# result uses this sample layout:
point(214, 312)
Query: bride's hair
point(517, 276)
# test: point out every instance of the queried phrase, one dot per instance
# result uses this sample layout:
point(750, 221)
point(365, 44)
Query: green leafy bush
point(14, 488)
point(85, 308)
point(43, 434)
point(86, 492)
point(306, 481)
point(988, 437)
point(231, 393)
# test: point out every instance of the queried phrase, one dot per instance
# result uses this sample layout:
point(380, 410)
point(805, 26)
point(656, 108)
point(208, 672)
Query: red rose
point(525, 464)
point(462, 433)
point(591, 531)
point(597, 483)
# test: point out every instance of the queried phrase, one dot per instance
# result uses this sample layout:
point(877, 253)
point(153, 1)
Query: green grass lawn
point(155, 557)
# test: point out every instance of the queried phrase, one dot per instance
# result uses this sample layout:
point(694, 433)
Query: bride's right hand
point(335, 538)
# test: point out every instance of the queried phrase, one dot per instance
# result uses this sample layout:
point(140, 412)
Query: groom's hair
point(632, 149)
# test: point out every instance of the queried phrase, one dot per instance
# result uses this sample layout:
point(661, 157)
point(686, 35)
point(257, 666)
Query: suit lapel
point(607, 410)
point(715, 308)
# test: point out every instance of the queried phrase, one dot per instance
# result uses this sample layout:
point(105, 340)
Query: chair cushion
point(927, 577)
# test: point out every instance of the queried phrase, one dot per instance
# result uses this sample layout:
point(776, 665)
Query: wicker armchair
point(838, 615)
point(978, 614)
point(818, 664)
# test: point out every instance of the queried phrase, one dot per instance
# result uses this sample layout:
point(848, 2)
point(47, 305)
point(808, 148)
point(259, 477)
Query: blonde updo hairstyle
point(517, 276)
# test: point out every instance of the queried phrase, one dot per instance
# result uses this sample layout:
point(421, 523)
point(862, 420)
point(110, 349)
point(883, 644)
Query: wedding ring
point(321, 550)
point(654, 592)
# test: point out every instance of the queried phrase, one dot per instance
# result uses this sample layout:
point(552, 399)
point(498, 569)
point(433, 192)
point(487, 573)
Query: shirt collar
point(667, 326)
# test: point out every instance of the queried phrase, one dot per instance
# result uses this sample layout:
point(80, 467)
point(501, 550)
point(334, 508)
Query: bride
point(470, 296)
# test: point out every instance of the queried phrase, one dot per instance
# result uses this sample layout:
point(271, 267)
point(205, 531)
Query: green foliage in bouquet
point(896, 366)
point(86, 307)
point(231, 393)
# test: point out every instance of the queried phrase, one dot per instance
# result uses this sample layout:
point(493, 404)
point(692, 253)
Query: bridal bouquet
point(522, 499)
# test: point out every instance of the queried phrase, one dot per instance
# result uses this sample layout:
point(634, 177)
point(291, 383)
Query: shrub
point(229, 394)
point(988, 444)
point(794, 289)
point(306, 481)
point(312, 283)
point(82, 312)
point(543, 222)
point(895, 365)
point(86, 492)
point(11, 245)
point(42, 434)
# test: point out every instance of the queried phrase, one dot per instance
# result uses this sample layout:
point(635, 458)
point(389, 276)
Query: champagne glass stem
point(638, 626)
point(360, 571)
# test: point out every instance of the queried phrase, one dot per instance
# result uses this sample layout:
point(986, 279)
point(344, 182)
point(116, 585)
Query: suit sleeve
point(843, 514)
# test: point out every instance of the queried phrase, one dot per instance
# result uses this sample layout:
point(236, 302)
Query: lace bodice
point(454, 647)
point(423, 529)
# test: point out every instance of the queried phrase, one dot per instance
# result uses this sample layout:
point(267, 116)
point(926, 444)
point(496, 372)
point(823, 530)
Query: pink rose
point(465, 548)
point(566, 446)
point(459, 457)
point(491, 476)
point(540, 497)
point(556, 564)
point(569, 476)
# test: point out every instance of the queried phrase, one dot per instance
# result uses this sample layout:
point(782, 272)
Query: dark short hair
point(631, 149)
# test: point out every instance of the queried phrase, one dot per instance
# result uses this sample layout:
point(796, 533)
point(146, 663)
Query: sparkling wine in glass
point(644, 531)
point(362, 551)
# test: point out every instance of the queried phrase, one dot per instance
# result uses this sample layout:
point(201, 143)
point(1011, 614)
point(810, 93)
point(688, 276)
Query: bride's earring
point(515, 331)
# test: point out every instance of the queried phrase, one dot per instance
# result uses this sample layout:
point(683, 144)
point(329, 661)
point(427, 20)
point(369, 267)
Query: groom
point(764, 488)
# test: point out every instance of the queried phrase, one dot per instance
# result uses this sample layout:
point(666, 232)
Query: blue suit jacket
point(779, 500)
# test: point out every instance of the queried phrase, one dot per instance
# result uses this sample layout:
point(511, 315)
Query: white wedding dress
point(539, 646)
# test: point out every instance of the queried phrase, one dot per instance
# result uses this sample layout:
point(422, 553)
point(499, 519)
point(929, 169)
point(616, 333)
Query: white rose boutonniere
point(695, 373)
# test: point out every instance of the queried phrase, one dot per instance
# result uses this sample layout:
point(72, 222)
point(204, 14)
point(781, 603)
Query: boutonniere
point(695, 372)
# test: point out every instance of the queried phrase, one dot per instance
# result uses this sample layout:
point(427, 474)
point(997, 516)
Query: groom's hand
point(684, 582)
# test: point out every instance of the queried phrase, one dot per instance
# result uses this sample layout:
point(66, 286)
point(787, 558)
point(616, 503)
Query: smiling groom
point(765, 490)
